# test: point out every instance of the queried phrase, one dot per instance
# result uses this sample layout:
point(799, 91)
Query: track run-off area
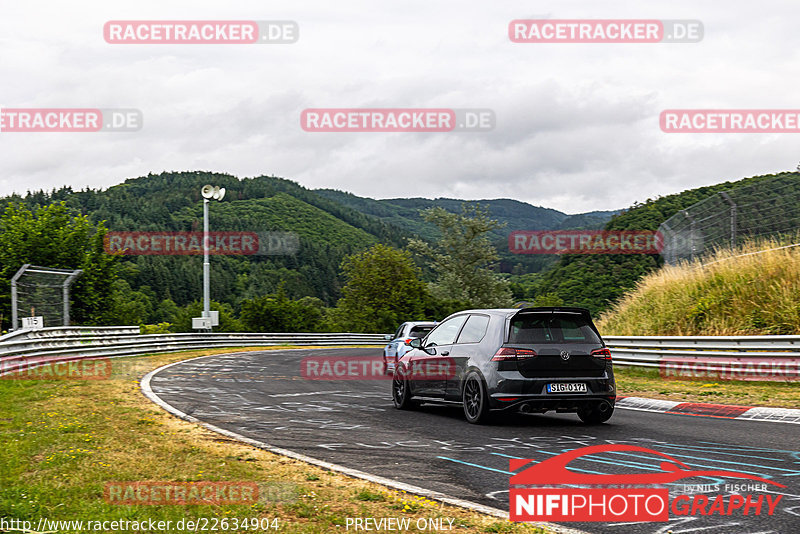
point(353, 426)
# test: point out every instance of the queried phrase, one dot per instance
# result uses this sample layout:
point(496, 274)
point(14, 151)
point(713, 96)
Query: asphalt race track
point(261, 395)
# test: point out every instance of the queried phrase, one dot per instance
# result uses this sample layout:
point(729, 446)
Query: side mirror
point(387, 337)
point(416, 343)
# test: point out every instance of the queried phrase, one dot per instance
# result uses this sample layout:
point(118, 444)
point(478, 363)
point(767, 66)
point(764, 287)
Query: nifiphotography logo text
point(535, 493)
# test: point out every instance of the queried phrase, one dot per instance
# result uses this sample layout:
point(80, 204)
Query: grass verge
point(748, 291)
point(648, 383)
point(62, 441)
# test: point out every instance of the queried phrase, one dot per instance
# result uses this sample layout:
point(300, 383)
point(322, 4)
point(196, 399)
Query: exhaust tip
point(525, 408)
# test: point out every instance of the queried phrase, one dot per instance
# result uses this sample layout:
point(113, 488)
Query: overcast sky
point(577, 124)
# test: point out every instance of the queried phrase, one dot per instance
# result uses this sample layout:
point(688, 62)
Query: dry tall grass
point(754, 289)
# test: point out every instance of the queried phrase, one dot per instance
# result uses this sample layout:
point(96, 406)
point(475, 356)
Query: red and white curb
point(722, 411)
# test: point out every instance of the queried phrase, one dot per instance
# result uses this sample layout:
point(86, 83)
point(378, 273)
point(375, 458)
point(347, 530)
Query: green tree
point(278, 313)
point(95, 292)
point(131, 307)
point(463, 257)
point(51, 237)
point(548, 299)
point(382, 290)
point(166, 312)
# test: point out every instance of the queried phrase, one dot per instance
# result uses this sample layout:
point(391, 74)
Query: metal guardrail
point(740, 355)
point(34, 347)
point(748, 357)
point(65, 331)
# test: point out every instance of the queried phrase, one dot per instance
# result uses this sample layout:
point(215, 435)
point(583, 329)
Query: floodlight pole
point(206, 266)
point(217, 193)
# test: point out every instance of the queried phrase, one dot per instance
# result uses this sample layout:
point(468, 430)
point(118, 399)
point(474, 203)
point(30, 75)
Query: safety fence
point(768, 207)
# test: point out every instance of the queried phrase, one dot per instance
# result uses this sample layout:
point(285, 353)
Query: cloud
point(577, 125)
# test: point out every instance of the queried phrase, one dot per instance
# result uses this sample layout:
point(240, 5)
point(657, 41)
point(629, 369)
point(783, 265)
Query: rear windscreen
point(534, 329)
point(420, 331)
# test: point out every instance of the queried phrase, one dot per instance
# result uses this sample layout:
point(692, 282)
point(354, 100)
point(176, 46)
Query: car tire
point(596, 414)
point(401, 394)
point(475, 400)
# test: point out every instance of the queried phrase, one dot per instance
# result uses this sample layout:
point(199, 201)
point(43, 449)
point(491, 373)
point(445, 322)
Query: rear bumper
point(541, 404)
point(530, 394)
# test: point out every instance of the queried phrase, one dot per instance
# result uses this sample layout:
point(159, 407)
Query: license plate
point(567, 387)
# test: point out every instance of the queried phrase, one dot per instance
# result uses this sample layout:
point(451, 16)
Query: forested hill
point(513, 214)
point(171, 201)
point(330, 224)
point(516, 215)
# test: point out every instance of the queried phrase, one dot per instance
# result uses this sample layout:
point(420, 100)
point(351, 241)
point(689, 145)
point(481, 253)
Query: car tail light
point(407, 341)
point(602, 353)
point(509, 353)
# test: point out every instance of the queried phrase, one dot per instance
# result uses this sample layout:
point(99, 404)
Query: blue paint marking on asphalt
point(632, 464)
point(639, 465)
point(793, 471)
point(691, 464)
point(546, 452)
point(626, 464)
point(793, 454)
point(743, 447)
point(702, 449)
point(475, 465)
point(520, 458)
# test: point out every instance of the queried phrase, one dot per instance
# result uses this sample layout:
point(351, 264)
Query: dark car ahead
point(530, 360)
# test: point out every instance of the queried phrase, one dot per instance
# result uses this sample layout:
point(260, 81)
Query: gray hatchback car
point(399, 342)
point(530, 360)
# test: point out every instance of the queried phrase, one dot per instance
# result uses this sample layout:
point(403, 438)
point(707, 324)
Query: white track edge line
point(435, 495)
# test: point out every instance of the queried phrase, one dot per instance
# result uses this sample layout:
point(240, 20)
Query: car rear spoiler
point(553, 309)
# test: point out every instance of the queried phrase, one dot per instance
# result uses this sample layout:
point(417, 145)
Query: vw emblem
point(564, 355)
